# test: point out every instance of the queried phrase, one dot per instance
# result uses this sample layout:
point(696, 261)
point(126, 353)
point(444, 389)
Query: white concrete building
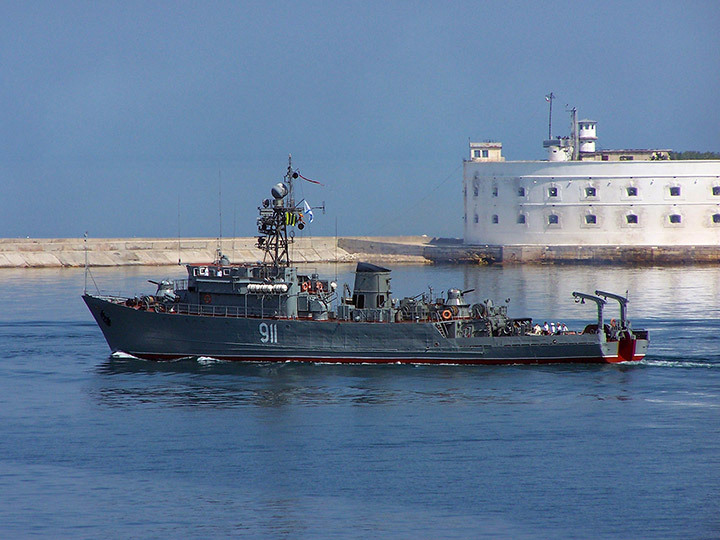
point(625, 198)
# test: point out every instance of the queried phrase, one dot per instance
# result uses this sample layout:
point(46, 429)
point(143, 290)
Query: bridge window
point(495, 191)
point(675, 191)
point(590, 192)
point(495, 218)
point(716, 218)
point(475, 191)
point(632, 191)
point(521, 192)
point(477, 219)
point(591, 219)
point(552, 192)
point(675, 218)
point(521, 218)
point(631, 219)
point(553, 219)
point(716, 191)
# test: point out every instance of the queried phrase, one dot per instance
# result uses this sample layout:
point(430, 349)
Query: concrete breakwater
point(72, 252)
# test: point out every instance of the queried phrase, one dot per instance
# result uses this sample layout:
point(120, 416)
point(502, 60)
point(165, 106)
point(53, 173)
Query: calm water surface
point(93, 446)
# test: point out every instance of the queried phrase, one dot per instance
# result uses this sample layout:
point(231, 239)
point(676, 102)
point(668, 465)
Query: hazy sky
point(118, 117)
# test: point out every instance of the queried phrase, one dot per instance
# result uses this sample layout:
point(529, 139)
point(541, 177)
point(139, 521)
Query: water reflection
point(190, 383)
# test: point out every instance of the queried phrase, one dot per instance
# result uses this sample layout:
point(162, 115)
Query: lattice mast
point(276, 216)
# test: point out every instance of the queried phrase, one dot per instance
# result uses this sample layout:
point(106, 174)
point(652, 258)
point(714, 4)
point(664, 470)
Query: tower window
point(552, 192)
point(590, 192)
point(521, 218)
point(477, 219)
point(475, 191)
point(591, 219)
point(553, 219)
point(631, 219)
point(716, 191)
point(495, 191)
point(675, 218)
point(495, 218)
point(632, 191)
point(675, 191)
point(521, 192)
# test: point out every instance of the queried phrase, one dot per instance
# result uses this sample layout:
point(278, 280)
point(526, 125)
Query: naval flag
point(308, 211)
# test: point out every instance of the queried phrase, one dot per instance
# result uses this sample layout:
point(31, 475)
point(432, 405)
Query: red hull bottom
point(414, 361)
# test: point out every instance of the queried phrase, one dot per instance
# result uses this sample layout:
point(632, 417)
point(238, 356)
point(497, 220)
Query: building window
point(485, 153)
point(495, 191)
point(675, 191)
point(591, 219)
point(495, 218)
point(552, 192)
point(553, 219)
point(675, 218)
point(716, 191)
point(632, 191)
point(590, 192)
point(521, 192)
point(476, 153)
point(626, 158)
point(521, 219)
point(632, 219)
point(477, 219)
point(605, 157)
point(716, 218)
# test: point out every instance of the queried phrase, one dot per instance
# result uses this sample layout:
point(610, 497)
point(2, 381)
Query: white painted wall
point(491, 192)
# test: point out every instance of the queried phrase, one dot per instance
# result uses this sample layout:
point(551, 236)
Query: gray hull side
point(147, 334)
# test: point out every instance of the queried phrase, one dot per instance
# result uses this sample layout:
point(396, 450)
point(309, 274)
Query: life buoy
point(305, 285)
point(207, 299)
point(446, 314)
point(319, 286)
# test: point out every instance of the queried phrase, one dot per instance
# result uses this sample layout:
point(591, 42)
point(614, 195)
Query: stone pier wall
point(71, 252)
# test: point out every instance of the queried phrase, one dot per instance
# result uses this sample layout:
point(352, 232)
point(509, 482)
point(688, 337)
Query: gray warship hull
point(171, 335)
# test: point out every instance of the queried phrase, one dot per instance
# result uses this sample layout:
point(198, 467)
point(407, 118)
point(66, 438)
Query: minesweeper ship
point(271, 312)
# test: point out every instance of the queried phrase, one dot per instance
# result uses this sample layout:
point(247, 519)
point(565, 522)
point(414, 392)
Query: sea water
point(94, 446)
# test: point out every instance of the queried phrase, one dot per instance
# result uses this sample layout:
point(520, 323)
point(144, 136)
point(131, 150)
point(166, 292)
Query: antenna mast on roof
point(549, 98)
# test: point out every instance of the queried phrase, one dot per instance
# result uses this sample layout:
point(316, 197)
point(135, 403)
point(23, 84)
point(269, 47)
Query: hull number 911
point(268, 333)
